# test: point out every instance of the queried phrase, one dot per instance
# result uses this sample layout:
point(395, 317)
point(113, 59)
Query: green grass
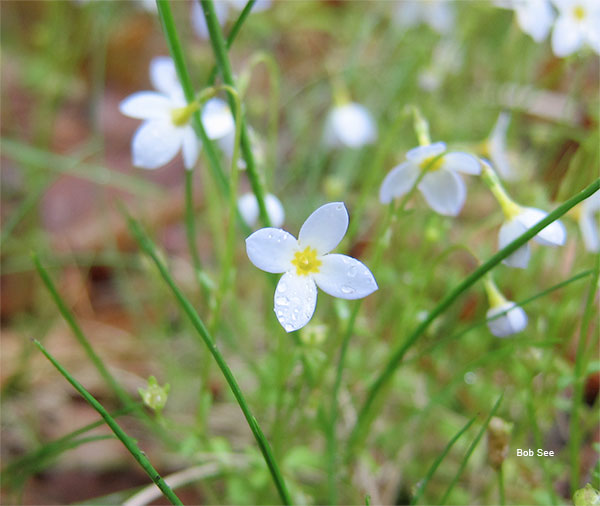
point(381, 400)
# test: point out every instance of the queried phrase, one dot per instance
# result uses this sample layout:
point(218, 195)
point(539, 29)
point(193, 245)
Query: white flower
point(520, 220)
point(248, 206)
point(306, 264)
point(350, 125)
point(588, 223)
point(438, 14)
point(447, 59)
point(534, 17)
point(495, 147)
point(222, 12)
point(578, 23)
point(167, 120)
point(512, 321)
point(504, 317)
point(443, 188)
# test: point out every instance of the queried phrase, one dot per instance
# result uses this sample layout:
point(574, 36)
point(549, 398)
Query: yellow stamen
point(306, 261)
point(579, 13)
point(432, 163)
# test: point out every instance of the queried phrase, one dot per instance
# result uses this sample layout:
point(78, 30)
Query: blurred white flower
point(166, 128)
point(518, 221)
point(504, 317)
point(167, 119)
point(350, 125)
point(578, 23)
point(443, 188)
point(306, 264)
point(256, 143)
point(447, 59)
point(223, 9)
point(588, 222)
point(534, 17)
point(495, 147)
point(248, 206)
point(438, 14)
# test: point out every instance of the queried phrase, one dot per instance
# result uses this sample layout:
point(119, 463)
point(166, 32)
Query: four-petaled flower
point(578, 23)
point(167, 120)
point(441, 185)
point(307, 263)
point(518, 221)
point(504, 317)
point(350, 125)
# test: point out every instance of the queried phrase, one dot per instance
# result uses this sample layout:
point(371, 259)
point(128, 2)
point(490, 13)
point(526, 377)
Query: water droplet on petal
point(347, 289)
point(352, 271)
point(281, 287)
point(282, 301)
point(288, 327)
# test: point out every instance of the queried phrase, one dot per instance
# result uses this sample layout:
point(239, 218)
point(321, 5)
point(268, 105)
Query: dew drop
point(288, 327)
point(347, 289)
point(282, 301)
point(352, 271)
point(269, 235)
point(281, 287)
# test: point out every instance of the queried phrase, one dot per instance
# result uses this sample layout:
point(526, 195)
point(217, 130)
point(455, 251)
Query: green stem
point(76, 329)
point(581, 360)
point(220, 50)
point(438, 461)
point(129, 443)
point(166, 17)
point(397, 356)
point(471, 449)
point(232, 35)
point(500, 474)
point(149, 248)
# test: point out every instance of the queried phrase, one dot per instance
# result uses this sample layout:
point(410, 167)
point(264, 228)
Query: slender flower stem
point(235, 29)
point(149, 248)
point(581, 361)
point(501, 495)
point(76, 329)
point(220, 50)
point(364, 417)
point(129, 442)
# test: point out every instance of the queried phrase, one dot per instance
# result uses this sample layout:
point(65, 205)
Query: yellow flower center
point(182, 115)
point(579, 12)
point(306, 261)
point(432, 163)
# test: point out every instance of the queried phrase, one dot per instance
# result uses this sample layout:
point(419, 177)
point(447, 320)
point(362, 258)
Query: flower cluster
point(575, 25)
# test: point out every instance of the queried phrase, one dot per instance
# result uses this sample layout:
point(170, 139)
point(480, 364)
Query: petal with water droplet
point(345, 277)
point(325, 228)
point(295, 304)
point(271, 249)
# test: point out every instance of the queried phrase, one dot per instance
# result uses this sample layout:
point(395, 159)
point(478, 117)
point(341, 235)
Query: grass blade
point(129, 443)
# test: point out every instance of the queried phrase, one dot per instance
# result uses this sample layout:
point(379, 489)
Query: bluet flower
point(534, 17)
point(504, 318)
point(578, 24)
point(350, 125)
point(441, 185)
point(306, 263)
point(248, 207)
point(167, 119)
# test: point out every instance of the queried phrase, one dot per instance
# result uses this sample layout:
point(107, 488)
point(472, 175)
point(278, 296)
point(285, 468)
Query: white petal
point(324, 228)
point(439, 16)
point(271, 249)
point(513, 321)
point(146, 105)
point(421, 153)
point(461, 162)
point(535, 18)
point(164, 76)
point(217, 119)
point(345, 277)
point(350, 125)
point(155, 143)
point(444, 191)
point(295, 301)
point(199, 22)
point(497, 147)
point(553, 235)
point(589, 231)
point(398, 181)
point(509, 231)
point(191, 147)
point(274, 210)
point(248, 206)
point(567, 37)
